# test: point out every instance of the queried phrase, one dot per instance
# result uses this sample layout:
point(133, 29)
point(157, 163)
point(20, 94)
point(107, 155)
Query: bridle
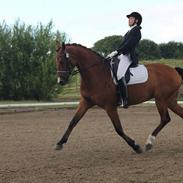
point(66, 57)
point(66, 61)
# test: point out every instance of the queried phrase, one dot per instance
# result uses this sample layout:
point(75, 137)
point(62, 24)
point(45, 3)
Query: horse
point(97, 88)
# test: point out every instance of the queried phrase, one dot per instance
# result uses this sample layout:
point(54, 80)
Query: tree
point(171, 50)
point(148, 50)
point(27, 61)
point(107, 45)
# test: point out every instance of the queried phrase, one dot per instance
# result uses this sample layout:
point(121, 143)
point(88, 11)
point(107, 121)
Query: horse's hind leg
point(81, 110)
point(177, 109)
point(112, 113)
point(165, 118)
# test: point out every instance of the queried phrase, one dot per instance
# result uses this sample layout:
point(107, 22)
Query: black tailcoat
point(129, 43)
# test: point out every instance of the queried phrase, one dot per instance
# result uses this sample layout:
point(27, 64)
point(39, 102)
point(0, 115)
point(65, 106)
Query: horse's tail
point(180, 71)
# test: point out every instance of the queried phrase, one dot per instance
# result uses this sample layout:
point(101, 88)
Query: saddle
point(135, 73)
point(114, 68)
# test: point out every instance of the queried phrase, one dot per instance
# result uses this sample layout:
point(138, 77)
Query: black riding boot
point(123, 92)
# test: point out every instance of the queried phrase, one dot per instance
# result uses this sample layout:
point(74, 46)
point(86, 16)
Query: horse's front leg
point(113, 114)
point(81, 110)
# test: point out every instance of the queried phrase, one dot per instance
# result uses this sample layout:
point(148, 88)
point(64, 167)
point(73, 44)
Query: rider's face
point(131, 21)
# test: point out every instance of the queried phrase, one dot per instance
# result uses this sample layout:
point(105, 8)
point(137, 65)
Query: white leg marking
point(150, 139)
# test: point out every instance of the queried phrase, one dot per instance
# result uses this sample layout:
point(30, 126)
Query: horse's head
point(63, 63)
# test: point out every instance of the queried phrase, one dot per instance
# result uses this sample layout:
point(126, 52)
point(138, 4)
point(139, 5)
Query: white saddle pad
point(139, 75)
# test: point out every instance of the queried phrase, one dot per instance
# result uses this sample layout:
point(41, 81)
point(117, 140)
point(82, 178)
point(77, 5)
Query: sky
point(87, 21)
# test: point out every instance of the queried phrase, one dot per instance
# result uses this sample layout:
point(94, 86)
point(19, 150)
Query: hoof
point(58, 147)
point(138, 149)
point(148, 147)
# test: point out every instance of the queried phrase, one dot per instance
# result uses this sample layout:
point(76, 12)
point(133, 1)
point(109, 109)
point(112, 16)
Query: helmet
point(137, 16)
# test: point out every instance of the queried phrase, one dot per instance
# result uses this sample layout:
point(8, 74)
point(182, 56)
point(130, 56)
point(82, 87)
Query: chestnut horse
point(97, 88)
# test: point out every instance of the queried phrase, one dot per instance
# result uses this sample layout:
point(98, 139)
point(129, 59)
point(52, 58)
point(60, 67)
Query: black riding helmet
point(137, 16)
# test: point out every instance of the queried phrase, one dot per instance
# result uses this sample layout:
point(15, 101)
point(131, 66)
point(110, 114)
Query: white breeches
point(124, 63)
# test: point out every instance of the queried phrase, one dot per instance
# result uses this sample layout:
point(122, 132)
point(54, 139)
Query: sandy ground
point(94, 152)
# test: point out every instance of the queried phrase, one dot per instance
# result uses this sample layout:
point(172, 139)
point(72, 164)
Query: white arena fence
point(52, 104)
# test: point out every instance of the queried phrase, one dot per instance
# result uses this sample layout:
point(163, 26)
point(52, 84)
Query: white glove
point(112, 54)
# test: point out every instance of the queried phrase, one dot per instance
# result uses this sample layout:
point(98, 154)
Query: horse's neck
point(85, 59)
point(95, 74)
point(93, 71)
point(86, 63)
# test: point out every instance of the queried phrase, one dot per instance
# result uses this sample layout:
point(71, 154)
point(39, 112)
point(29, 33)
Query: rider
point(126, 54)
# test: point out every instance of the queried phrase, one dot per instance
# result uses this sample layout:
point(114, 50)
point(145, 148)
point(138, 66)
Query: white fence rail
point(51, 104)
point(37, 104)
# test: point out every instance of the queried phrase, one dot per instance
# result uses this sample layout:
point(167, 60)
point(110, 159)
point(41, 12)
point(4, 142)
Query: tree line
point(146, 49)
point(27, 61)
point(27, 58)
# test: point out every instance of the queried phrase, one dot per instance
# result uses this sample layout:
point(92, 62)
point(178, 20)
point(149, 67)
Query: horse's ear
point(63, 46)
point(58, 45)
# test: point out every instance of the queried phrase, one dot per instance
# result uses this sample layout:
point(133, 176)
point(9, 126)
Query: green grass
point(71, 91)
point(171, 62)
